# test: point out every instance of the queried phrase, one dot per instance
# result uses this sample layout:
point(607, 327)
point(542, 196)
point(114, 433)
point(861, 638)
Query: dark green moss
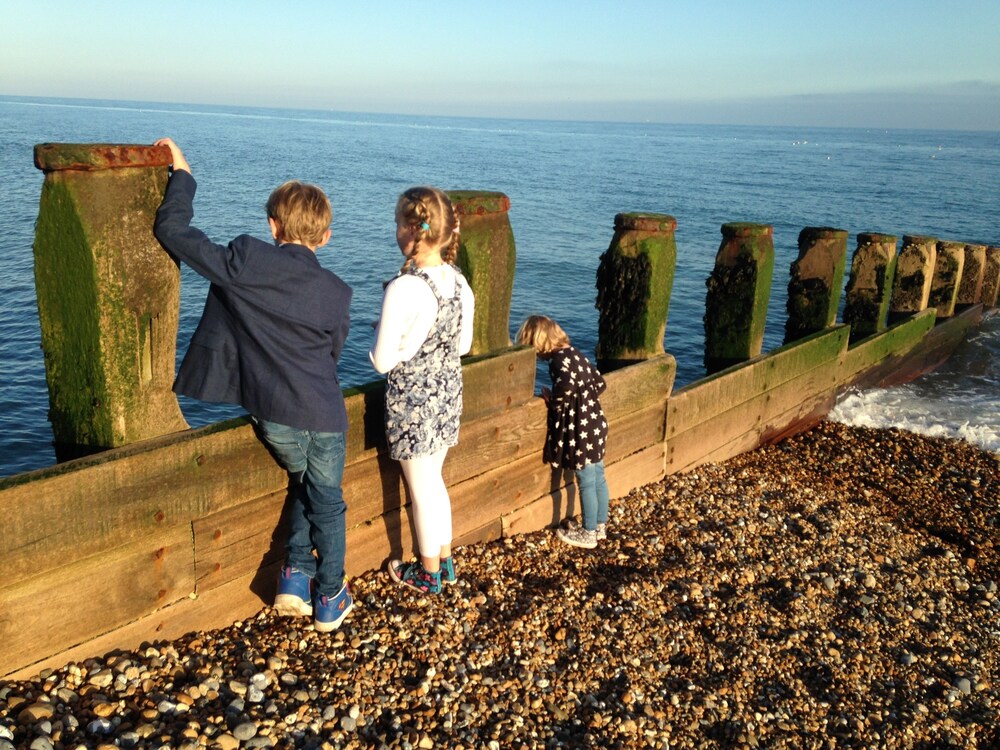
point(623, 288)
point(66, 281)
point(729, 309)
point(807, 306)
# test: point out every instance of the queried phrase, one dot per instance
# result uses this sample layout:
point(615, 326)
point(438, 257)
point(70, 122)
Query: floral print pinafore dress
point(423, 396)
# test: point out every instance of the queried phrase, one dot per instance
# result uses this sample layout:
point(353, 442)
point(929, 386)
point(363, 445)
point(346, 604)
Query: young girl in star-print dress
point(577, 430)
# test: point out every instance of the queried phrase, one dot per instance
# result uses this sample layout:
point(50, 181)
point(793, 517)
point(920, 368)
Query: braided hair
point(430, 214)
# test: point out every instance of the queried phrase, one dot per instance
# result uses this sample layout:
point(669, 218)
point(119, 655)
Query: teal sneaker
point(331, 611)
point(448, 571)
point(415, 576)
point(294, 598)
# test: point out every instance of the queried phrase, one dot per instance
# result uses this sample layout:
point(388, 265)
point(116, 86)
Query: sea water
point(566, 181)
point(960, 399)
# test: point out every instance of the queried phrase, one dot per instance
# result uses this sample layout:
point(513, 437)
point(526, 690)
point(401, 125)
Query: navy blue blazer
point(273, 327)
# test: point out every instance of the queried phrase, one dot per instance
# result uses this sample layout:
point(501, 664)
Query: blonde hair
point(429, 212)
point(543, 333)
point(301, 211)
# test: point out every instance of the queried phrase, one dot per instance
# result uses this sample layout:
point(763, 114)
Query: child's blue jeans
point(593, 494)
point(317, 512)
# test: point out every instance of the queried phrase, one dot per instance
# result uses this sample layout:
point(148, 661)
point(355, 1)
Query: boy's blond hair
point(302, 213)
point(543, 333)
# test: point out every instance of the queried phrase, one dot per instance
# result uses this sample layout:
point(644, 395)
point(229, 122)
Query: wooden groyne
point(161, 530)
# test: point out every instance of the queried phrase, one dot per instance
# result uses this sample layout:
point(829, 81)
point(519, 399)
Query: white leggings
point(431, 504)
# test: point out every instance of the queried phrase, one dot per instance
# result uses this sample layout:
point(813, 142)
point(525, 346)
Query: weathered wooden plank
point(643, 467)
point(679, 462)
point(937, 346)
point(79, 509)
point(497, 381)
point(496, 441)
point(797, 418)
point(542, 512)
point(744, 425)
point(870, 358)
point(638, 386)
point(373, 487)
point(66, 605)
point(488, 532)
point(239, 541)
point(633, 432)
point(217, 608)
point(371, 544)
point(705, 399)
point(548, 509)
point(488, 496)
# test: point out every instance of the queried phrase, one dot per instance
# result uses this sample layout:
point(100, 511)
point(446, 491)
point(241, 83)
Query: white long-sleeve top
point(409, 309)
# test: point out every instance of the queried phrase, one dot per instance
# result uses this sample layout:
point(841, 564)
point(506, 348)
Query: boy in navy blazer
point(269, 338)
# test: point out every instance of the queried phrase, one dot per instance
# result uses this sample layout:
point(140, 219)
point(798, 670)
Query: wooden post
point(634, 281)
point(869, 287)
point(971, 287)
point(486, 257)
point(948, 269)
point(911, 287)
point(991, 277)
point(108, 296)
point(816, 278)
point(739, 289)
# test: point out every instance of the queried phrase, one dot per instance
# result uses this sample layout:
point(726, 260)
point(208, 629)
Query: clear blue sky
point(891, 63)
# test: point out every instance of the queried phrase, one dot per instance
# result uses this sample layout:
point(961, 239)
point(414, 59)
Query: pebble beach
point(836, 590)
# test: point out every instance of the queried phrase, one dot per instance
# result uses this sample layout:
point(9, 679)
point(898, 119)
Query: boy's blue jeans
point(593, 494)
point(315, 461)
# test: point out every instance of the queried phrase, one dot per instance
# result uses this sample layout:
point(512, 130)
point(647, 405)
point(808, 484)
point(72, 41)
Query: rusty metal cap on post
point(478, 202)
point(92, 157)
point(876, 238)
point(950, 245)
point(821, 233)
point(645, 222)
point(918, 239)
point(747, 229)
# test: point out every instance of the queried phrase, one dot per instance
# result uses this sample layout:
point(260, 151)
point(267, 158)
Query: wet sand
point(837, 590)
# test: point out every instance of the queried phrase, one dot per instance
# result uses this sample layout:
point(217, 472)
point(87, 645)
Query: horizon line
point(65, 101)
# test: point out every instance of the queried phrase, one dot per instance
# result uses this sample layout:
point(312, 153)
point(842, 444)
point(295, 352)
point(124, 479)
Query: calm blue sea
point(566, 182)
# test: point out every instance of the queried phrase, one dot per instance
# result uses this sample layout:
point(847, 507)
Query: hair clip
point(425, 226)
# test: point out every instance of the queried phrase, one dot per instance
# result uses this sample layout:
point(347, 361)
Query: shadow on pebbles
point(836, 590)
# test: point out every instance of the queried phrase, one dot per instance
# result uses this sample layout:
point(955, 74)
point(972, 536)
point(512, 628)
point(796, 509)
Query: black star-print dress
point(577, 429)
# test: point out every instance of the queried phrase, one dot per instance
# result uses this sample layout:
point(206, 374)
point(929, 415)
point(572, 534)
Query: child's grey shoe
point(602, 528)
point(578, 537)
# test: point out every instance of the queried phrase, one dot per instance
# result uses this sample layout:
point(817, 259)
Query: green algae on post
point(634, 281)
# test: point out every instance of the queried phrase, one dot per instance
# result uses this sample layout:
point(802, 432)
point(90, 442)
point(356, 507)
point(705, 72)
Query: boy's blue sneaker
point(294, 598)
point(331, 611)
point(448, 571)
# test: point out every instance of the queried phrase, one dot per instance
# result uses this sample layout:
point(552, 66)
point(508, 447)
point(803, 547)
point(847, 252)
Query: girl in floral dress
point(424, 328)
